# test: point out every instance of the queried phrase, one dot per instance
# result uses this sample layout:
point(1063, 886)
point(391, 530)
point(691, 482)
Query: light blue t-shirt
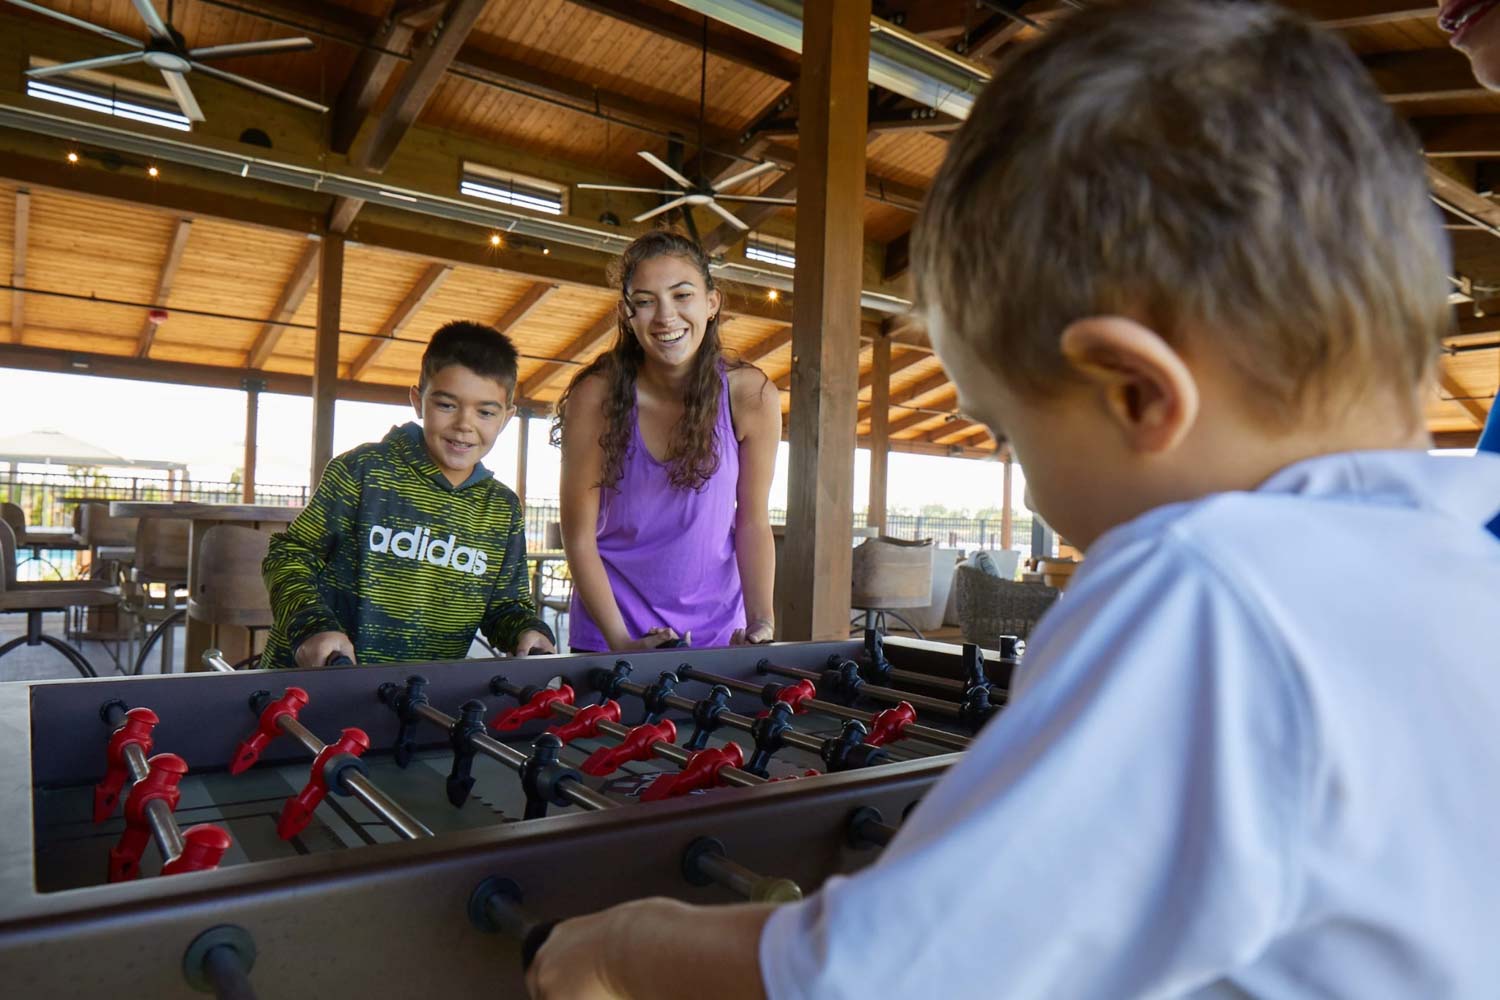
point(1255, 750)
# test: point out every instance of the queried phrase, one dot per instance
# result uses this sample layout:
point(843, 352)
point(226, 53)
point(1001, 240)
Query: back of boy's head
point(482, 349)
point(1198, 165)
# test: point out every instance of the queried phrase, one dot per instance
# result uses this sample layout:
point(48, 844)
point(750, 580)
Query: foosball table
point(354, 831)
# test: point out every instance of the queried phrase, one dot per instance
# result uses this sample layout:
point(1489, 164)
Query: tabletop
point(196, 511)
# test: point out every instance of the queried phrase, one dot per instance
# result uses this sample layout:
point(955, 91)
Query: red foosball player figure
point(1182, 257)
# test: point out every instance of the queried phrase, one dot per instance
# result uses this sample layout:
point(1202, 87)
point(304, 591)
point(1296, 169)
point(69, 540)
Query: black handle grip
point(535, 938)
point(338, 660)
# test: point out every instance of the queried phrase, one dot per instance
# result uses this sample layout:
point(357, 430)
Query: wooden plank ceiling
point(584, 85)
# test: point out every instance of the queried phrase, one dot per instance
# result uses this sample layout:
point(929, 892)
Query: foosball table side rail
point(396, 916)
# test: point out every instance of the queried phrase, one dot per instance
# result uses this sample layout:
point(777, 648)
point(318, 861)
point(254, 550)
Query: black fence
point(45, 498)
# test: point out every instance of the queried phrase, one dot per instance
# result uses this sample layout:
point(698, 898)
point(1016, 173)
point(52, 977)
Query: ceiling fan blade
point(665, 207)
point(178, 84)
point(265, 48)
point(757, 198)
point(726, 215)
point(154, 24)
point(256, 85)
point(617, 187)
point(744, 175)
point(95, 63)
point(76, 22)
point(665, 168)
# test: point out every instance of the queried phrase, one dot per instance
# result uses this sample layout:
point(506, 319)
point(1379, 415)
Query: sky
point(205, 428)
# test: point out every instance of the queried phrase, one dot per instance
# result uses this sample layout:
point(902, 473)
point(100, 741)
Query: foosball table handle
point(219, 961)
point(495, 908)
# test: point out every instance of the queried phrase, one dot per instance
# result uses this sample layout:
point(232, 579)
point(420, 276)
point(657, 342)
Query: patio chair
point(161, 559)
point(229, 589)
point(991, 606)
point(891, 575)
point(36, 599)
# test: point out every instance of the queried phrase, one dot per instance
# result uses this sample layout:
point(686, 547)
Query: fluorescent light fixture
point(107, 101)
point(516, 190)
point(770, 250)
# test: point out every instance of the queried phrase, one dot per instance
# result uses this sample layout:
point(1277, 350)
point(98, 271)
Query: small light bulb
point(72, 157)
point(546, 250)
point(152, 171)
point(773, 295)
point(494, 239)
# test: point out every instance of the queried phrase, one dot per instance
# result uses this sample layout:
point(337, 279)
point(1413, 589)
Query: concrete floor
point(45, 663)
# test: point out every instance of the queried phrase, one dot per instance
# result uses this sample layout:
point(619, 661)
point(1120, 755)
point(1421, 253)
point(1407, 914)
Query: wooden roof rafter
point(169, 265)
point(20, 239)
point(724, 41)
point(430, 281)
point(582, 346)
point(372, 70)
point(298, 284)
point(1463, 397)
point(529, 302)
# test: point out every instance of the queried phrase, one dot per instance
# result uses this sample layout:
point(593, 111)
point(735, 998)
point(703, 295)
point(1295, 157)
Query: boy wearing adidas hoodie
point(409, 545)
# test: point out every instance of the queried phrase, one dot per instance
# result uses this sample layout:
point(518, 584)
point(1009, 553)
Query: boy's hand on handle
point(320, 647)
point(654, 639)
point(531, 641)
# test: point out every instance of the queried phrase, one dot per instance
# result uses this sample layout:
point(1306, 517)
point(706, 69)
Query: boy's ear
point(1146, 387)
point(416, 399)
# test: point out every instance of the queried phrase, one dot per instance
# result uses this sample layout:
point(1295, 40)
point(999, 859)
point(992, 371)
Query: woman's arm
point(757, 422)
point(582, 465)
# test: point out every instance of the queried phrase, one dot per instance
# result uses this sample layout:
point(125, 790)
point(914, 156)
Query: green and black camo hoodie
point(407, 565)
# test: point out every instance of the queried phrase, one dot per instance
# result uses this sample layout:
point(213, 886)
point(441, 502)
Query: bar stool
point(110, 542)
point(35, 599)
point(891, 575)
point(161, 558)
point(229, 589)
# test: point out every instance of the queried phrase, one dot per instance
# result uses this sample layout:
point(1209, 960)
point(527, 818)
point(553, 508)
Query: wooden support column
point(825, 318)
point(1007, 516)
point(524, 426)
point(326, 353)
point(880, 439)
point(253, 388)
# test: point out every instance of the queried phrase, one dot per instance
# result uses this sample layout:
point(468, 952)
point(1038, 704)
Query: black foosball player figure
point(1182, 256)
point(414, 513)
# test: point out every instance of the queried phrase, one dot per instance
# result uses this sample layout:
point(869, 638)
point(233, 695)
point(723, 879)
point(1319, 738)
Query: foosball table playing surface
point(355, 831)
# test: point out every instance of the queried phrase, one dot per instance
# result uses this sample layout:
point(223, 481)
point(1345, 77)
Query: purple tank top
point(668, 552)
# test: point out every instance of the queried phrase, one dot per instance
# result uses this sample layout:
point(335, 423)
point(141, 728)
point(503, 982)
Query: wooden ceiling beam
point(898, 364)
point(768, 346)
point(724, 41)
point(911, 392)
point(1454, 387)
point(21, 237)
point(949, 429)
point(367, 79)
point(1459, 135)
point(169, 265)
point(1455, 439)
point(1423, 75)
point(1361, 13)
point(298, 283)
point(431, 280)
point(530, 299)
point(582, 346)
point(432, 60)
point(914, 418)
point(1457, 192)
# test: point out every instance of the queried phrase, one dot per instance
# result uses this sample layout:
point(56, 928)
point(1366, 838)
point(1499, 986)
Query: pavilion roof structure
point(565, 92)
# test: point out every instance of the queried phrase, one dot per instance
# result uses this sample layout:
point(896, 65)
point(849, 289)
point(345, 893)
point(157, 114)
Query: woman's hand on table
point(754, 634)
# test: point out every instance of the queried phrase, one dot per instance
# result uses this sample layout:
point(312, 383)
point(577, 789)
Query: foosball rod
point(360, 786)
point(662, 749)
point(742, 722)
point(213, 659)
point(915, 731)
point(939, 705)
point(575, 791)
point(158, 813)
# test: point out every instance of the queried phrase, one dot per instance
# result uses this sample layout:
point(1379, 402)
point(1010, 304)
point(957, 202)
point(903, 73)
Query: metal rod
point(577, 792)
point(665, 750)
point(227, 975)
point(213, 659)
point(742, 881)
point(742, 722)
point(931, 704)
point(915, 731)
point(158, 813)
point(360, 786)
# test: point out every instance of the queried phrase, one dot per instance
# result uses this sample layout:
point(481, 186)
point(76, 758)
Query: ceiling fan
point(167, 52)
point(700, 192)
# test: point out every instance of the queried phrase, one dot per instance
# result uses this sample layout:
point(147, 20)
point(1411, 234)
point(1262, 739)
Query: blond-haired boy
point(1183, 257)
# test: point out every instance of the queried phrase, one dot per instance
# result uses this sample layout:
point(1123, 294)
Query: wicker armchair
point(990, 606)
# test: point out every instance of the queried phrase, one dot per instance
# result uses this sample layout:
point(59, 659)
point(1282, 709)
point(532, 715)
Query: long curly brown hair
point(693, 457)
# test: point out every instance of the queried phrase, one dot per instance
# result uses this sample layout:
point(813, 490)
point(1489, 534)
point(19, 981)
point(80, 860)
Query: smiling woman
point(668, 454)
